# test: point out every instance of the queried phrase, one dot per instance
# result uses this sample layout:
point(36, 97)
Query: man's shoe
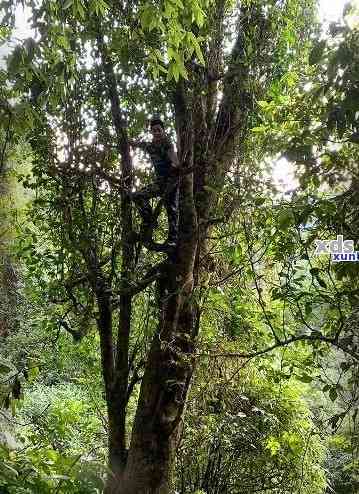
point(128, 193)
point(170, 244)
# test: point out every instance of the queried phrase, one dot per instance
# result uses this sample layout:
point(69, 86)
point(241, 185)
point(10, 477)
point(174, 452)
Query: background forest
point(230, 366)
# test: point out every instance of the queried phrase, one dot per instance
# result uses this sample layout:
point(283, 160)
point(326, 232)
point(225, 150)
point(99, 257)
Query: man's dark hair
point(156, 120)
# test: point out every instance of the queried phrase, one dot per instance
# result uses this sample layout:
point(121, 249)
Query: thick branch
point(286, 342)
point(117, 406)
point(152, 275)
point(77, 335)
point(237, 100)
point(6, 142)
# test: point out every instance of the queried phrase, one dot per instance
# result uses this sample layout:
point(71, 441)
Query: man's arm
point(173, 156)
point(138, 144)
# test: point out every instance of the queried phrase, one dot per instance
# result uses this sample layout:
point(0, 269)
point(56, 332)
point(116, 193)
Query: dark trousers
point(167, 189)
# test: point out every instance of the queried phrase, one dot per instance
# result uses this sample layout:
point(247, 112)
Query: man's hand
point(174, 170)
point(137, 144)
point(173, 158)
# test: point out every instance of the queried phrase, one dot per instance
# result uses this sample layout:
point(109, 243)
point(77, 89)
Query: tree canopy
point(229, 364)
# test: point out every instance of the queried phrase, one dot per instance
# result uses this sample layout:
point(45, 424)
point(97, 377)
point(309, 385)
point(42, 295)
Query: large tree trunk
point(169, 366)
point(165, 386)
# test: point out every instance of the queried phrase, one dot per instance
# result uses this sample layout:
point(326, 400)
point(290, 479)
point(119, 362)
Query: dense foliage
point(274, 341)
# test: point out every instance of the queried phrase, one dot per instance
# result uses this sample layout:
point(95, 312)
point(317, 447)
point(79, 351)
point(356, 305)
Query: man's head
point(157, 128)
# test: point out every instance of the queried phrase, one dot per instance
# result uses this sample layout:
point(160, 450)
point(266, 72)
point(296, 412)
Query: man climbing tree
point(165, 162)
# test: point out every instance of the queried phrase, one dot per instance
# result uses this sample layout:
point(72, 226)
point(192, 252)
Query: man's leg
point(141, 199)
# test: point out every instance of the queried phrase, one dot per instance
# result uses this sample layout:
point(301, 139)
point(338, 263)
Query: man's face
point(157, 132)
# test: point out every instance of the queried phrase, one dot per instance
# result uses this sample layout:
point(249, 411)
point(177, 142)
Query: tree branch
point(117, 404)
point(7, 140)
point(152, 274)
point(283, 343)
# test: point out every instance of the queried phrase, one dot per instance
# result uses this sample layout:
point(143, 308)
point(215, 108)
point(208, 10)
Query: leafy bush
point(248, 435)
point(42, 470)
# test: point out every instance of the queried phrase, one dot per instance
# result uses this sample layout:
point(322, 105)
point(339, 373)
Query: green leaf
point(33, 373)
point(259, 130)
point(273, 445)
point(197, 14)
point(321, 282)
point(333, 393)
point(285, 220)
point(176, 72)
point(308, 308)
point(198, 51)
point(57, 477)
point(235, 253)
point(178, 3)
point(68, 4)
point(15, 60)
point(6, 366)
point(11, 469)
point(30, 46)
point(153, 24)
point(305, 378)
point(259, 201)
point(317, 52)
point(218, 299)
point(210, 189)
point(81, 10)
point(64, 42)
point(102, 7)
point(170, 53)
